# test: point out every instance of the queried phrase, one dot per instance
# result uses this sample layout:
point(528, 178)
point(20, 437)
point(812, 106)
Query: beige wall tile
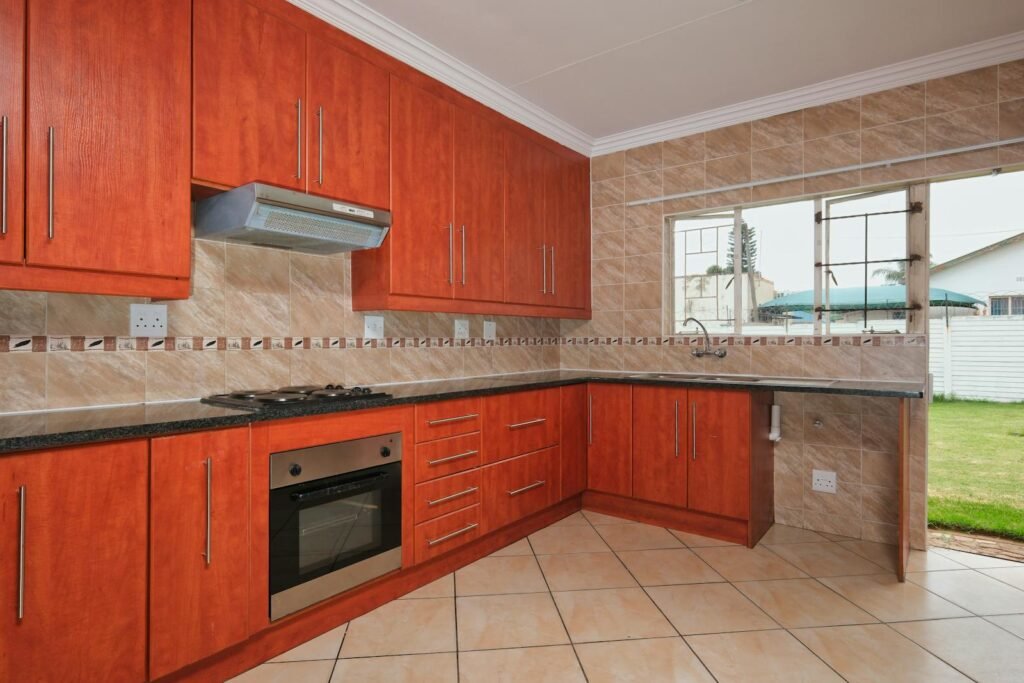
point(832, 152)
point(184, 374)
point(643, 186)
point(643, 359)
point(832, 119)
point(642, 323)
point(682, 179)
point(776, 361)
point(684, 150)
point(257, 269)
point(892, 141)
point(963, 127)
point(608, 245)
point(893, 106)
point(674, 206)
point(643, 241)
point(732, 170)
point(643, 159)
point(609, 271)
point(967, 89)
point(878, 504)
point(607, 192)
point(257, 369)
point(644, 268)
point(24, 381)
point(208, 260)
point(607, 324)
point(201, 315)
point(643, 216)
point(607, 298)
point(965, 161)
point(86, 314)
point(777, 162)
point(832, 361)
point(789, 188)
point(608, 219)
point(1011, 119)
point(1011, 80)
point(831, 182)
point(608, 166)
point(22, 313)
point(368, 366)
point(1011, 154)
point(775, 131)
point(88, 379)
point(642, 295)
point(319, 366)
point(727, 198)
point(728, 141)
point(606, 357)
point(894, 172)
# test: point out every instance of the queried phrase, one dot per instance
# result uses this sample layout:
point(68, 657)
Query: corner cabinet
point(97, 197)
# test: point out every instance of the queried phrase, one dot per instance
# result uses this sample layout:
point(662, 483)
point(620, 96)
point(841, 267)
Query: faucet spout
point(720, 353)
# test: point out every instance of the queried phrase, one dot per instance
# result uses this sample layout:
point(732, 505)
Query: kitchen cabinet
point(573, 439)
point(660, 444)
point(567, 231)
point(519, 423)
point(720, 443)
point(447, 494)
point(527, 166)
point(73, 539)
point(447, 418)
point(518, 487)
point(446, 533)
point(12, 122)
point(198, 546)
point(610, 438)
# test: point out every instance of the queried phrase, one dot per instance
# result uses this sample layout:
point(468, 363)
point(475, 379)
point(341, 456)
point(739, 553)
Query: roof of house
point(878, 298)
point(977, 252)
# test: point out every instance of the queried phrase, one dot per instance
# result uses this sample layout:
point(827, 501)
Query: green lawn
point(976, 467)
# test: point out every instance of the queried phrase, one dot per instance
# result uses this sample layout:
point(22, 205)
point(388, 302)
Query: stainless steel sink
point(734, 379)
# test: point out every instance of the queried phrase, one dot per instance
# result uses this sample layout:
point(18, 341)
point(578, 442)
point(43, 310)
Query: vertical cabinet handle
point(21, 552)
point(50, 134)
point(463, 230)
point(451, 254)
point(693, 429)
point(552, 270)
point(320, 145)
point(590, 419)
point(3, 176)
point(544, 268)
point(209, 509)
point(298, 138)
point(675, 415)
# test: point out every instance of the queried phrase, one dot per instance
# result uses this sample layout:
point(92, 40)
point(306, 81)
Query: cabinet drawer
point(519, 487)
point(519, 423)
point(447, 418)
point(440, 535)
point(447, 456)
point(447, 494)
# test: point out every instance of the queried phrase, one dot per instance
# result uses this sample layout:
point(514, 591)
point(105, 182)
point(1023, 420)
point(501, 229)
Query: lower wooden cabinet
point(720, 440)
point(447, 494)
point(198, 546)
point(446, 533)
point(660, 444)
point(520, 422)
point(81, 612)
point(520, 486)
point(610, 438)
point(573, 440)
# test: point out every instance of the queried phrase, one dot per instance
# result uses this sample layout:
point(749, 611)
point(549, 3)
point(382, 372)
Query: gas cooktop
point(286, 396)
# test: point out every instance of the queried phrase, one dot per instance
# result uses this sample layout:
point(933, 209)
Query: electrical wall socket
point(148, 320)
point(373, 327)
point(462, 329)
point(490, 329)
point(823, 480)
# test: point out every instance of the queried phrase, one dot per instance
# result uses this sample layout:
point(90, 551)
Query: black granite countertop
point(53, 429)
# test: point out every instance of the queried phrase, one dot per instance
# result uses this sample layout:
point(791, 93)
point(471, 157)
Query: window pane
point(999, 305)
point(702, 285)
point(1017, 307)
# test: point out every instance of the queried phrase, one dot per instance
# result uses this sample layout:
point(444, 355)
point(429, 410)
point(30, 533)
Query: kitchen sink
point(735, 379)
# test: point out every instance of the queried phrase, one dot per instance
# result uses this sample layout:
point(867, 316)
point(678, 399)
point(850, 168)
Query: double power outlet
point(823, 480)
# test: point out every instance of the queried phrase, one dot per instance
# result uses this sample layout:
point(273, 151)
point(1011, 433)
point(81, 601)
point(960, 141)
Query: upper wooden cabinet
point(567, 230)
point(12, 128)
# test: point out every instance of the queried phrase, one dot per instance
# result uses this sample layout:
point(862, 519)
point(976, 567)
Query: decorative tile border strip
point(62, 344)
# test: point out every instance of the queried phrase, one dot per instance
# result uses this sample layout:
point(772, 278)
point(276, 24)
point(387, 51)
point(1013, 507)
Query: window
point(1000, 305)
point(1017, 305)
point(703, 267)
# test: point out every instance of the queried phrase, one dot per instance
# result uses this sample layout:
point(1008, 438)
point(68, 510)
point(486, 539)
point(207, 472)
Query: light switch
point(490, 329)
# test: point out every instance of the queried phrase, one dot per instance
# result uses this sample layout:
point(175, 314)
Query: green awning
point(852, 299)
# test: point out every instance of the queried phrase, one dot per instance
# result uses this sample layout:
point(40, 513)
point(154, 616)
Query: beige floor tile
point(668, 567)
point(324, 646)
point(973, 591)
point(1014, 623)
point(520, 547)
point(760, 656)
point(872, 652)
point(599, 518)
point(835, 537)
point(780, 533)
point(1011, 575)
point(637, 537)
point(403, 627)
point(496, 575)
point(975, 561)
point(975, 647)
point(801, 603)
point(737, 563)
point(883, 596)
point(574, 539)
point(582, 571)
point(709, 608)
point(556, 664)
point(698, 541)
point(288, 672)
point(641, 661)
point(882, 554)
point(441, 588)
point(434, 668)
point(930, 561)
point(611, 614)
point(500, 621)
point(575, 519)
point(825, 559)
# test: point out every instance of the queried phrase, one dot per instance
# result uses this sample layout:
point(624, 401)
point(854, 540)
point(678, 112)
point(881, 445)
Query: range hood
point(270, 216)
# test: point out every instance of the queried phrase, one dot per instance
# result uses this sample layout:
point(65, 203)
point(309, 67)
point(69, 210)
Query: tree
point(893, 275)
point(748, 261)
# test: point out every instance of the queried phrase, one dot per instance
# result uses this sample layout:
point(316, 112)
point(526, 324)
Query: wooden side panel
point(479, 208)
point(762, 467)
point(194, 604)
point(610, 456)
point(659, 445)
point(573, 440)
point(120, 132)
point(719, 475)
point(516, 488)
point(903, 493)
point(248, 80)
point(85, 564)
point(347, 120)
point(422, 235)
point(448, 418)
point(12, 118)
point(521, 422)
point(525, 252)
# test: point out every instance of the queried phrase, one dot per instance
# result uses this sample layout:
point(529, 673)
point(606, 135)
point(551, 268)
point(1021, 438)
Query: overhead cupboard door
point(12, 121)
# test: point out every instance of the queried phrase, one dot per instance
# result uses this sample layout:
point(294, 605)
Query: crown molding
point(374, 28)
point(946, 63)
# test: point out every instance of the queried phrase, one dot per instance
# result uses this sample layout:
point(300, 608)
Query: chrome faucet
point(720, 353)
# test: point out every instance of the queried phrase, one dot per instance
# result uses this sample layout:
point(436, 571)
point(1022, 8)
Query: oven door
point(320, 527)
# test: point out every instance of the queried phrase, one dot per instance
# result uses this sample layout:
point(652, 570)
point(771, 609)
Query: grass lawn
point(976, 467)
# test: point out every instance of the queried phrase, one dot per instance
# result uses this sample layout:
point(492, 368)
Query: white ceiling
point(607, 67)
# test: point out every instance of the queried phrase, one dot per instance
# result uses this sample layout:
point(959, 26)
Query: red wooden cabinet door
point(199, 503)
point(610, 438)
point(567, 226)
point(659, 445)
point(12, 122)
point(479, 208)
point(347, 119)
point(84, 607)
point(526, 254)
point(573, 440)
point(719, 449)
point(248, 92)
point(108, 132)
point(422, 235)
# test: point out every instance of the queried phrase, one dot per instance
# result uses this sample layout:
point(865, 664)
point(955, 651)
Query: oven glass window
point(332, 532)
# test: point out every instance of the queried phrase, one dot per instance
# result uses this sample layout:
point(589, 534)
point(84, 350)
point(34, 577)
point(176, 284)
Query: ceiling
point(607, 67)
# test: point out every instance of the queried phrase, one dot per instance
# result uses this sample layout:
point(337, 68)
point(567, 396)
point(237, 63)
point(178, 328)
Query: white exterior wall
point(996, 273)
point(980, 358)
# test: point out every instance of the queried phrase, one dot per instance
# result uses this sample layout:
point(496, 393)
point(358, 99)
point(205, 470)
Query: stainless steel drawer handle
point(528, 487)
point(675, 415)
point(458, 532)
point(528, 423)
point(552, 270)
point(451, 254)
point(458, 456)
point(50, 134)
point(458, 494)
point(544, 268)
point(21, 552)
point(320, 145)
point(463, 255)
point(590, 419)
point(693, 430)
point(3, 179)
point(447, 420)
point(209, 510)
point(298, 139)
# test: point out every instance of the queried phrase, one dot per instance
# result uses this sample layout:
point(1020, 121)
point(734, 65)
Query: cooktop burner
point(270, 398)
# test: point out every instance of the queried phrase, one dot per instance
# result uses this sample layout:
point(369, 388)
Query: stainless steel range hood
point(270, 216)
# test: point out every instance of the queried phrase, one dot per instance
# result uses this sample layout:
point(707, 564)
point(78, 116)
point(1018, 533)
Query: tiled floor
point(600, 599)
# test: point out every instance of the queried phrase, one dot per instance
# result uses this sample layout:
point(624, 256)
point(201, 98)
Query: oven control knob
point(295, 469)
point(385, 452)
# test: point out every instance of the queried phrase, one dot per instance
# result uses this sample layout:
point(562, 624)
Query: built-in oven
point(335, 519)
